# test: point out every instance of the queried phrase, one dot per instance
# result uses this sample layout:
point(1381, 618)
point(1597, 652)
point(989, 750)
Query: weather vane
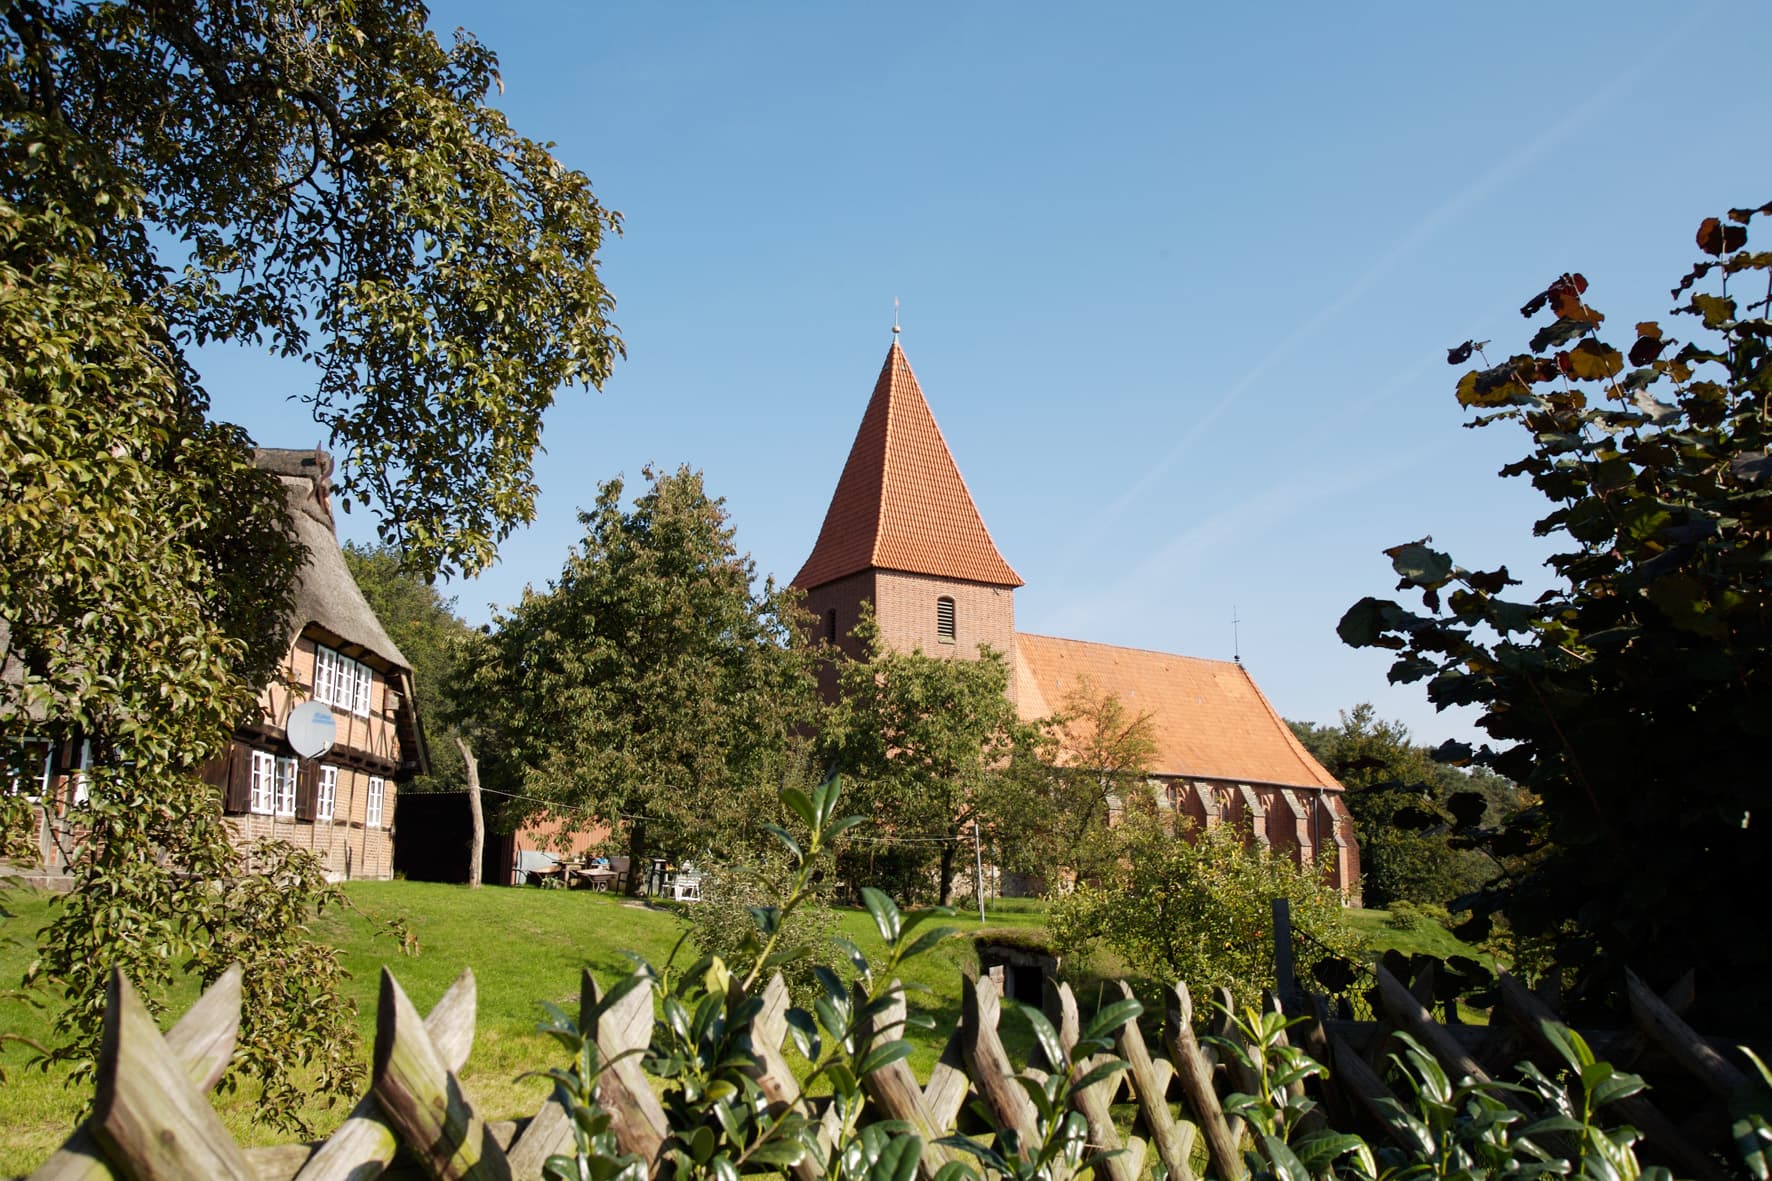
point(895, 328)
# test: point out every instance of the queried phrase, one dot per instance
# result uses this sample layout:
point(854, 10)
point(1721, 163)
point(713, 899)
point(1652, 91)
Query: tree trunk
point(947, 871)
point(637, 860)
point(478, 840)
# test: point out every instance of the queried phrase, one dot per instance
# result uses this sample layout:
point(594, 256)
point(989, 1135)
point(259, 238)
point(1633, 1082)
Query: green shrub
point(722, 923)
point(1197, 908)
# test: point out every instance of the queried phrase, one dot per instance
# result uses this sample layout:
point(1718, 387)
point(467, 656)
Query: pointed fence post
point(1196, 1083)
point(202, 1042)
point(1095, 1101)
point(1173, 1138)
point(150, 1120)
point(423, 1100)
point(365, 1141)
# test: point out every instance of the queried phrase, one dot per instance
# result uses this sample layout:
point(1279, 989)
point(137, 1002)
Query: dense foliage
point(323, 180)
point(1634, 698)
point(722, 1121)
point(1196, 907)
point(919, 737)
point(1405, 805)
point(653, 688)
point(1049, 811)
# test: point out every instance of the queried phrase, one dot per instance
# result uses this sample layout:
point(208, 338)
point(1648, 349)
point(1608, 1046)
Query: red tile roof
point(1210, 720)
point(901, 503)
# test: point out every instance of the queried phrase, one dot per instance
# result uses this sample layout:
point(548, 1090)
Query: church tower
point(903, 533)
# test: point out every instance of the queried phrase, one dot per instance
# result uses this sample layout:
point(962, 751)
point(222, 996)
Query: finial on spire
point(895, 328)
point(1236, 643)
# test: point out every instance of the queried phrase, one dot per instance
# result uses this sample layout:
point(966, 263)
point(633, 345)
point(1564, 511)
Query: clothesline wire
point(560, 805)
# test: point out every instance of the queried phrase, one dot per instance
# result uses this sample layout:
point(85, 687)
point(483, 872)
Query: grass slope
point(525, 946)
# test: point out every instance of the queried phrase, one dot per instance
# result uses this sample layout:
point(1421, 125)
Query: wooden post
point(993, 1077)
point(1196, 1083)
point(1150, 1085)
point(146, 1114)
point(1665, 1028)
point(365, 1141)
point(477, 842)
point(894, 1088)
point(423, 1100)
point(202, 1043)
point(771, 1070)
point(1530, 1014)
point(1095, 1101)
point(625, 1030)
point(1285, 976)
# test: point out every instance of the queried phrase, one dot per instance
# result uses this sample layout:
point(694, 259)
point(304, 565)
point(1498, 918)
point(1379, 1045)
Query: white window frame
point(35, 785)
point(372, 803)
point(83, 788)
point(342, 682)
point(325, 792)
point(264, 773)
point(284, 787)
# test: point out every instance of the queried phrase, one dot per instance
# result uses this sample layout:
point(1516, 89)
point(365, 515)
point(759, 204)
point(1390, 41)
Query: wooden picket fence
point(152, 1117)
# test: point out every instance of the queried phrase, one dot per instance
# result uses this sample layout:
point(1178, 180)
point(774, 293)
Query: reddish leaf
point(1650, 329)
point(1715, 238)
point(1646, 349)
point(1461, 354)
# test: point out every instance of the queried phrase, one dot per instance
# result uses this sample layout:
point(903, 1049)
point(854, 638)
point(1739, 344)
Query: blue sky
point(1178, 280)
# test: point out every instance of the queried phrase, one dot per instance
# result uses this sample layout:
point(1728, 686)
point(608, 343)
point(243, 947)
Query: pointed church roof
point(901, 503)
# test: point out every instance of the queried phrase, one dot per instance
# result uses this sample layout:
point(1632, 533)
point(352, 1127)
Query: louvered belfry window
point(944, 620)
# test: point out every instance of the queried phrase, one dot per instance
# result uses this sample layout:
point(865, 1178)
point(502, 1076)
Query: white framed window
point(285, 785)
point(372, 806)
point(264, 776)
point(325, 793)
point(342, 682)
point(82, 787)
point(29, 767)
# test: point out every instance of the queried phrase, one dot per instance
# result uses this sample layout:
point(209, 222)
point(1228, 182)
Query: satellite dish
point(311, 729)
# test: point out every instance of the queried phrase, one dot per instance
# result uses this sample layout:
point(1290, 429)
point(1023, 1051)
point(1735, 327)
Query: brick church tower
point(903, 533)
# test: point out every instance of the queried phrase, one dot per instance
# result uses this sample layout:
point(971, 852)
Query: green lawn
point(525, 946)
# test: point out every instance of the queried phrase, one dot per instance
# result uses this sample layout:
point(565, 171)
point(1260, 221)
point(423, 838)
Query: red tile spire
point(901, 503)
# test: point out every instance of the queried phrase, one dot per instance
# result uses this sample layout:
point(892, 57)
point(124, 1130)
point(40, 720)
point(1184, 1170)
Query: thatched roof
point(325, 593)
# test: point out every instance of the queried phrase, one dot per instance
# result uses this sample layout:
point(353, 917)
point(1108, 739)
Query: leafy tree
point(918, 737)
point(430, 634)
point(1404, 805)
point(1634, 698)
point(1051, 808)
point(652, 687)
point(1195, 906)
point(323, 180)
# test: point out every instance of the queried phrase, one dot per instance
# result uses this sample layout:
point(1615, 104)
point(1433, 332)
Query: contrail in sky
point(1450, 210)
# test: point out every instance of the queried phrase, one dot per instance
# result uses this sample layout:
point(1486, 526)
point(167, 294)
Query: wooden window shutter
point(307, 779)
point(215, 772)
point(237, 778)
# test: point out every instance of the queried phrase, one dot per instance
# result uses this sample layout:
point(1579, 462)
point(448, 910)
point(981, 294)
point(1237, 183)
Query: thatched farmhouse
point(341, 804)
point(902, 532)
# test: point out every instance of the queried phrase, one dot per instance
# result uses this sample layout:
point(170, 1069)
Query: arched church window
point(944, 620)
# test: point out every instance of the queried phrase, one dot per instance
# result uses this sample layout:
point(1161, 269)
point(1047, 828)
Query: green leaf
point(882, 1055)
point(788, 842)
point(884, 912)
point(1109, 1018)
point(898, 1160)
point(1044, 1034)
point(797, 803)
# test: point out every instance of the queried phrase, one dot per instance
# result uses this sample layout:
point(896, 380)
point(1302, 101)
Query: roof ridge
point(1147, 651)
